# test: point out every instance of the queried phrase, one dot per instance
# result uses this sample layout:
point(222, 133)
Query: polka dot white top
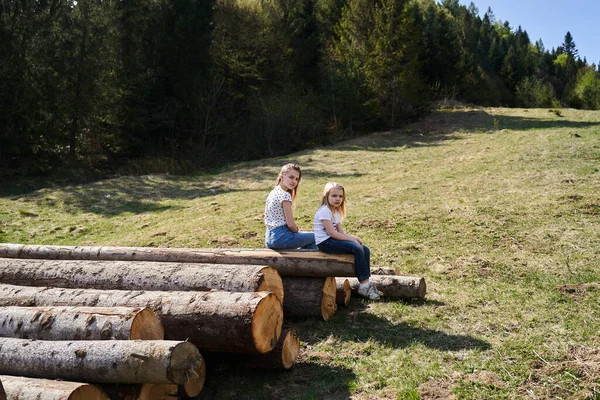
point(274, 216)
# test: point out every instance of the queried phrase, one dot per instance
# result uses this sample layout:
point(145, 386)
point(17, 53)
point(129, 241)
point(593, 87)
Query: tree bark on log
point(343, 291)
point(405, 287)
point(309, 263)
point(283, 356)
point(217, 321)
point(80, 323)
point(108, 361)
point(309, 297)
point(140, 275)
point(384, 271)
point(23, 388)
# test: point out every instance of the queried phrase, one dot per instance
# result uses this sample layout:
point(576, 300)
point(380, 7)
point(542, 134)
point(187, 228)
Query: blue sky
point(550, 20)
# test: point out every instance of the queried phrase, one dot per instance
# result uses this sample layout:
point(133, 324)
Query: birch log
point(110, 361)
point(218, 321)
point(309, 297)
point(405, 287)
point(80, 323)
point(384, 271)
point(342, 291)
point(286, 262)
point(23, 388)
point(140, 275)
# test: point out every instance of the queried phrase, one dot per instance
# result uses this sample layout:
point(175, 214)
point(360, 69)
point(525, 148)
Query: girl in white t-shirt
point(331, 238)
point(281, 229)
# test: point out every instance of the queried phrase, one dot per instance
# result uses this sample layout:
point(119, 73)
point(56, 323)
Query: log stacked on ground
point(283, 356)
point(22, 388)
point(195, 385)
point(111, 361)
point(80, 323)
point(309, 263)
point(145, 391)
point(140, 275)
point(309, 297)
point(342, 291)
point(384, 271)
point(218, 321)
point(404, 287)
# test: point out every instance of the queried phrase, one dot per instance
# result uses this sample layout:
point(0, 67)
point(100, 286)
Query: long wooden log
point(80, 323)
point(283, 356)
point(343, 291)
point(23, 388)
point(384, 271)
point(405, 287)
point(287, 263)
point(309, 297)
point(218, 321)
point(140, 275)
point(110, 361)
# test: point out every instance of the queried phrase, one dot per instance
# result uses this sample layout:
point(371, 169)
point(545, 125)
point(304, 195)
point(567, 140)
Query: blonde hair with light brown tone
point(284, 170)
point(325, 199)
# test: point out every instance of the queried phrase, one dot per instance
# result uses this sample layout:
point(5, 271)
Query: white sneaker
point(379, 292)
point(368, 292)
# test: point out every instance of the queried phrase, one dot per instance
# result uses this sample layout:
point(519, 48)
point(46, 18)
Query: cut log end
point(185, 360)
point(328, 304)
point(87, 392)
point(155, 391)
point(271, 282)
point(291, 348)
point(267, 322)
point(196, 384)
point(343, 291)
point(147, 326)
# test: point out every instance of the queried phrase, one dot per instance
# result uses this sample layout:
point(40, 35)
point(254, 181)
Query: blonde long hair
point(325, 199)
point(284, 170)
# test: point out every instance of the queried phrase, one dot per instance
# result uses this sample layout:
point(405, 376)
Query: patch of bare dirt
point(225, 241)
point(575, 378)
point(248, 235)
point(488, 378)
point(578, 289)
point(437, 389)
point(375, 223)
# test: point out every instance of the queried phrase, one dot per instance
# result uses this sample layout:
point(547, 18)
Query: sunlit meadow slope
point(497, 208)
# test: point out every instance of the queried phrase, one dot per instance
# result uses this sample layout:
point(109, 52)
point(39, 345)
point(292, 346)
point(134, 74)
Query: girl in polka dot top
point(281, 229)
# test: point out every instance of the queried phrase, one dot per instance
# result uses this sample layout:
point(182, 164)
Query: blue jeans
point(282, 238)
point(362, 255)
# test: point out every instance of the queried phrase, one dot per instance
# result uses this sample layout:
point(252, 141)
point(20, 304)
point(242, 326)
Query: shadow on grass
point(351, 324)
point(304, 380)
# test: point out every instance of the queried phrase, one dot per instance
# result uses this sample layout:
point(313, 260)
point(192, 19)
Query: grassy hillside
point(497, 208)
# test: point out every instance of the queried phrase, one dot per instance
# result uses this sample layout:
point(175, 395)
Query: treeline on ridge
point(171, 85)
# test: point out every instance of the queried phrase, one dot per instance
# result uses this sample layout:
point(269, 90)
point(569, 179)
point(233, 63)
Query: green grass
point(496, 208)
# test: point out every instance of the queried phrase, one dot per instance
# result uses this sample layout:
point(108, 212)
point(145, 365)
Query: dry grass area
point(497, 208)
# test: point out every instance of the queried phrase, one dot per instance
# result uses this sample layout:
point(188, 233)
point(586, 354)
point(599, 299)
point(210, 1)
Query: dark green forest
point(141, 86)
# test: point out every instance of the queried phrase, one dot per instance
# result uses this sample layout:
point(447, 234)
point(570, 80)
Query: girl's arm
point(340, 229)
point(289, 216)
point(337, 234)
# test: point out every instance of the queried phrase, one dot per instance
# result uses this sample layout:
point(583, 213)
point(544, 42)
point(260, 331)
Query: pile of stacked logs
point(164, 306)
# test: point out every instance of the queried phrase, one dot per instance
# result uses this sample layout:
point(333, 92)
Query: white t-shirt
point(322, 213)
point(274, 216)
